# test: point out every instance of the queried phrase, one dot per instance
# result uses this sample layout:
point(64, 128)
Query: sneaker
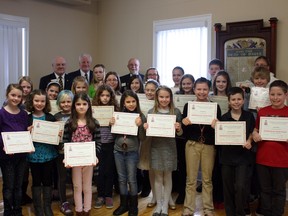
point(65, 209)
point(109, 202)
point(99, 202)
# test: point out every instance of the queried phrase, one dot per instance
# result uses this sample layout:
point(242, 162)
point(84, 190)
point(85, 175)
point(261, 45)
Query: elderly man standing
point(58, 75)
point(133, 66)
point(85, 61)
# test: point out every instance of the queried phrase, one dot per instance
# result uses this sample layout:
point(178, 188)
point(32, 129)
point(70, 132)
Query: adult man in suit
point(133, 66)
point(85, 61)
point(59, 68)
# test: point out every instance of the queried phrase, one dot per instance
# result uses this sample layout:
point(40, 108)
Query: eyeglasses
point(261, 65)
point(111, 80)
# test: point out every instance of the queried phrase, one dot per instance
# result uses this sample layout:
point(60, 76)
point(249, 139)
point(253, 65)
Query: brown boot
point(79, 213)
point(86, 213)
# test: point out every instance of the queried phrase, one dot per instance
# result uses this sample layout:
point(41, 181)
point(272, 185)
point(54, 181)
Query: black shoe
point(180, 199)
point(26, 199)
point(199, 188)
point(145, 193)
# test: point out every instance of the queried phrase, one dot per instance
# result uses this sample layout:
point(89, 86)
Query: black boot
point(47, 201)
point(146, 188)
point(133, 206)
point(123, 206)
point(37, 201)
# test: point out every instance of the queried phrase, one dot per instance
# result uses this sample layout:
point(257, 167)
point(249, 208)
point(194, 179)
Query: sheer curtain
point(184, 43)
point(13, 50)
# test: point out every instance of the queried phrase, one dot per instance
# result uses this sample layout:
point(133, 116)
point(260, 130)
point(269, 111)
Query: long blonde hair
point(171, 104)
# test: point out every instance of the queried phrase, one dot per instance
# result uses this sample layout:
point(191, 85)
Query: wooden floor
point(143, 210)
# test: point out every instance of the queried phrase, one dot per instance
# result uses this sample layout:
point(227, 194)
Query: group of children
point(193, 147)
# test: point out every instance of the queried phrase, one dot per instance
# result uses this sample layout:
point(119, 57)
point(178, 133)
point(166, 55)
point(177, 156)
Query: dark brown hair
point(29, 103)
point(113, 102)
point(73, 121)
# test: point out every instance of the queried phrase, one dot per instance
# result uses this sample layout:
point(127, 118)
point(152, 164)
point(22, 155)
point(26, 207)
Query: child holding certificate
point(221, 85)
point(105, 96)
point(163, 150)
point(82, 127)
point(272, 156)
point(12, 118)
point(126, 155)
point(199, 149)
point(236, 160)
point(64, 102)
point(144, 160)
point(260, 78)
point(186, 88)
point(27, 85)
point(42, 160)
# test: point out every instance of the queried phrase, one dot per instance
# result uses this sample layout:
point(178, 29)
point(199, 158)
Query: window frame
point(181, 23)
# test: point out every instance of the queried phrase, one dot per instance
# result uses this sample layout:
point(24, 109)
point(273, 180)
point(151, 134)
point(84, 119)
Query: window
point(13, 50)
point(182, 42)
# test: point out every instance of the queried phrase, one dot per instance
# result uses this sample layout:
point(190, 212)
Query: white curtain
point(185, 47)
point(13, 50)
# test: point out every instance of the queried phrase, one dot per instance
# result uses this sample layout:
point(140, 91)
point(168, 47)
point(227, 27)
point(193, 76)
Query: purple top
point(12, 122)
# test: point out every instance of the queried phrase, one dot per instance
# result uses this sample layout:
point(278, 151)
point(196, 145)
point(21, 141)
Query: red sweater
point(272, 153)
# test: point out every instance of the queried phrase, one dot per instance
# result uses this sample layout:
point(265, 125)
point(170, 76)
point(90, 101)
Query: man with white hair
point(85, 61)
point(133, 66)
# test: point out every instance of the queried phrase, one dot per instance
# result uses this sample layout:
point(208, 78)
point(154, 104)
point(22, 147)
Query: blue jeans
point(126, 165)
point(12, 174)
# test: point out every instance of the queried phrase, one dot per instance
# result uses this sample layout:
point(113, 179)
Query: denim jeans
point(12, 174)
point(126, 165)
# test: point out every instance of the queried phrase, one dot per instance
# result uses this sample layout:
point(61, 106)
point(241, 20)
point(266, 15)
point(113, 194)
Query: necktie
point(61, 82)
point(86, 77)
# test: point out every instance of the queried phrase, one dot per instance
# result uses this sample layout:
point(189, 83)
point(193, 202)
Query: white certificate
point(141, 96)
point(125, 123)
point(202, 112)
point(259, 97)
point(222, 101)
point(103, 114)
point(181, 100)
point(17, 142)
point(146, 105)
point(174, 90)
point(46, 132)
point(79, 154)
point(62, 123)
point(230, 133)
point(54, 108)
point(274, 128)
point(161, 125)
point(118, 98)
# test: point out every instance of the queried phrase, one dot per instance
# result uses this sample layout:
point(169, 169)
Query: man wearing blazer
point(85, 61)
point(59, 75)
point(133, 66)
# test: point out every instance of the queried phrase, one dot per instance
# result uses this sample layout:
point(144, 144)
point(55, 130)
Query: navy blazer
point(47, 79)
point(76, 73)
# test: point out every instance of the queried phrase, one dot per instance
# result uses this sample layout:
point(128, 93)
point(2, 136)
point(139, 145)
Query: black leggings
point(42, 173)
